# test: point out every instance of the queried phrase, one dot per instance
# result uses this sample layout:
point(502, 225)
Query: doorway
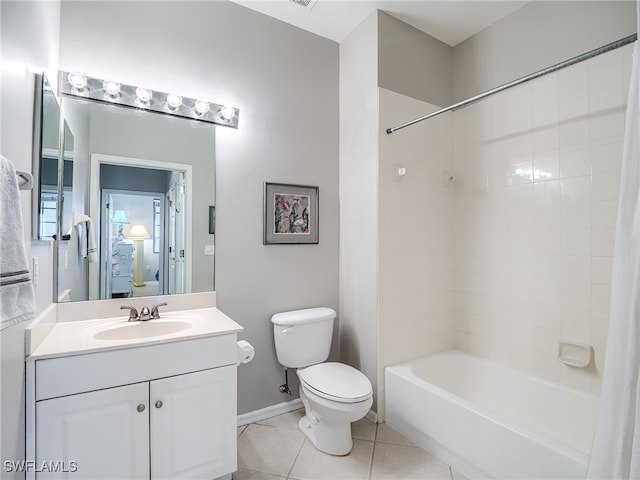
point(144, 227)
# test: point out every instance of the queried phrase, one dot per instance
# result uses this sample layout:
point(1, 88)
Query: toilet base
point(332, 439)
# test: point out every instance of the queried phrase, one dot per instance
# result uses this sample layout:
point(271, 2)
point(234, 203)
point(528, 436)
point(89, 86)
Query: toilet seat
point(336, 381)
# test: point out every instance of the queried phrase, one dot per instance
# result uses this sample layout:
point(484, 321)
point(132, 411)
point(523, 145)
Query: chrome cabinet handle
point(159, 404)
point(141, 407)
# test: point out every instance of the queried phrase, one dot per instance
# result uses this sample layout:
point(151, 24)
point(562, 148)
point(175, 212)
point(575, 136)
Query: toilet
point(333, 394)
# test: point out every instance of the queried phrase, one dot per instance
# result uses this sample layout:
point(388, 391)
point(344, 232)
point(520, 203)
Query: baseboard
point(268, 412)
point(372, 416)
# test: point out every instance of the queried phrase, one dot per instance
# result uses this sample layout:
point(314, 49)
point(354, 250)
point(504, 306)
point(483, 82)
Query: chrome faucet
point(145, 313)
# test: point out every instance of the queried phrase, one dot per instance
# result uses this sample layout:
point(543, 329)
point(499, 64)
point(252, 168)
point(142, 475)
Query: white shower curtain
point(616, 446)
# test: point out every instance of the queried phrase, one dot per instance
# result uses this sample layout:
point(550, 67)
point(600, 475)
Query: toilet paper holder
point(246, 352)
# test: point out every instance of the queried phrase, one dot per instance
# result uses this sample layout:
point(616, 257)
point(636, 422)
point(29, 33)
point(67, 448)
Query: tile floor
point(275, 449)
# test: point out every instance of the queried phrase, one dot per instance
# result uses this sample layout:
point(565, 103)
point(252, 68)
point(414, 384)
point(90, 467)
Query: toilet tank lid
point(300, 317)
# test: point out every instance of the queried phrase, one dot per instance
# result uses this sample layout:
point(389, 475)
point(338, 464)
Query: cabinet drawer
point(56, 377)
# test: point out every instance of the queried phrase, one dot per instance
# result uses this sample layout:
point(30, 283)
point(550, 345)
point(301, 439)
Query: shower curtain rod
point(572, 61)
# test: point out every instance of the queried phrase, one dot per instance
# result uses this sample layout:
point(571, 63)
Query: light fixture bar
point(76, 84)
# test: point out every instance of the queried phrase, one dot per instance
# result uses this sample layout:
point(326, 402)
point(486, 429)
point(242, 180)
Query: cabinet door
point(103, 432)
point(193, 430)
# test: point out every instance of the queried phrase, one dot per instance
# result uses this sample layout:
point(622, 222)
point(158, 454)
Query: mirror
point(146, 182)
point(45, 161)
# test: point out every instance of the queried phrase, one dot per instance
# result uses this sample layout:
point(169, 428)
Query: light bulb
point(202, 107)
point(144, 96)
point(112, 89)
point(78, 83)
point(227, 112)
point(174, 101)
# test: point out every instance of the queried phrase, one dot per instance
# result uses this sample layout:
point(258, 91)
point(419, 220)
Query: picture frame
point(290, 214)
point(212, 220)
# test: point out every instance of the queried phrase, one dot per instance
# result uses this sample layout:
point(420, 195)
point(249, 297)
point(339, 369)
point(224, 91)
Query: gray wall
point(413, 63)
point(285, 82)
point(538, 35)
point(29, 36)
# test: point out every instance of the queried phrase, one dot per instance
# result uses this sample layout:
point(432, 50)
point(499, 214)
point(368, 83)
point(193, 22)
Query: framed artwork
point(290, 214)
point(212, 220)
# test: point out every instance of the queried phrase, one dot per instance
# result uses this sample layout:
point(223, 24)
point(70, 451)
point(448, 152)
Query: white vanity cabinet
point(153, 412)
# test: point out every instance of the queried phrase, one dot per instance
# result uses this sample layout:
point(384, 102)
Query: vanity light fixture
point(80, 85)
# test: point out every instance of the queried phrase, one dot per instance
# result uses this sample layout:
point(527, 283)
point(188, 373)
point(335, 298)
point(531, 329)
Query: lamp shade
point(138, 232)
point(120, 217)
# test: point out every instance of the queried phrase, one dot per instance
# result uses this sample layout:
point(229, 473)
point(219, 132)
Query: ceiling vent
point(305, 3)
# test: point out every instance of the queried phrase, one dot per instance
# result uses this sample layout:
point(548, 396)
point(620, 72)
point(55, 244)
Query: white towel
point(17, 301)
point(89, 250)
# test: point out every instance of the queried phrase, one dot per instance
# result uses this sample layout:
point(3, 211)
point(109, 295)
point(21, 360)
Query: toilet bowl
point(334, 395)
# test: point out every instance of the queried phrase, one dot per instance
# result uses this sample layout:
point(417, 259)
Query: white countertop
point(77, 337)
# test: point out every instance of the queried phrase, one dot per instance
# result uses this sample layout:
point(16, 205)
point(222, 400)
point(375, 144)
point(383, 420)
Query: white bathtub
point(490, 421)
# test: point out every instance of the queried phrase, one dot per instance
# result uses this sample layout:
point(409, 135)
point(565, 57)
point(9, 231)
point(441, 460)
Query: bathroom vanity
point(107, 398)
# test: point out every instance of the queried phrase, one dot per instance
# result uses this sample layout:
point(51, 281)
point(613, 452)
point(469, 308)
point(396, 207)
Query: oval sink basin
point(136, 330)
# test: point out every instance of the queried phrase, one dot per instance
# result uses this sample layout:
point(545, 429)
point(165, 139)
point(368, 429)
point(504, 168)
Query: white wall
point(29, 38)
point(359, 200)
point(285, 82)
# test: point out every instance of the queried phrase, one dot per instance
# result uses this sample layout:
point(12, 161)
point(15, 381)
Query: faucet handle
point(155, 313)
point(133, 313)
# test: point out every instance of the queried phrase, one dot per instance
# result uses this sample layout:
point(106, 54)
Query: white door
point(106, 245)
point(181, 212)
point(193, 430)
point(106, 434)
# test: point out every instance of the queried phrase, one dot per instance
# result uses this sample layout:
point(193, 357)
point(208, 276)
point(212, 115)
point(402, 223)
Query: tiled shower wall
point(516, 254)
point(534, 207)
point(414, 241)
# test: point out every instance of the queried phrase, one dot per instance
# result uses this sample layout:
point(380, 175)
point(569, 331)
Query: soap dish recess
point(575, 354)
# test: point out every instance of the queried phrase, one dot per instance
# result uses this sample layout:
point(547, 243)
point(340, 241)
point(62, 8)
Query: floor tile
point(364, 429)
point(241, 429)
point(268, 450)
point(286, 420)
point(243, 474)
point(312, 464)
point(386, 434)
point(397, 462)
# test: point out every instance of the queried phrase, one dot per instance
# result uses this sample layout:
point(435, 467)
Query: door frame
point(98, 159)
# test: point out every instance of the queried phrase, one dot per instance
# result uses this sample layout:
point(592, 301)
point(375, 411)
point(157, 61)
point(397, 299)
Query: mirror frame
point(36, 192)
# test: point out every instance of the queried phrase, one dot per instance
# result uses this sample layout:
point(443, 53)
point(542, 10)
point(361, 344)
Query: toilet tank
point(303, 337)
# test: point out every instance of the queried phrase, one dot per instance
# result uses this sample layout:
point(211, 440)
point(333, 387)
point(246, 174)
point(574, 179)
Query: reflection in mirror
point(146, 182)
point(45, 161)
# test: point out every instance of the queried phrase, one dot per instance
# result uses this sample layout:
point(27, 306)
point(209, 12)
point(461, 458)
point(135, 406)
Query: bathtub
point(490, 421)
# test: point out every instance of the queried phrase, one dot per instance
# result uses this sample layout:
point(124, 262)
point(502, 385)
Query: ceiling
point(451, 21)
